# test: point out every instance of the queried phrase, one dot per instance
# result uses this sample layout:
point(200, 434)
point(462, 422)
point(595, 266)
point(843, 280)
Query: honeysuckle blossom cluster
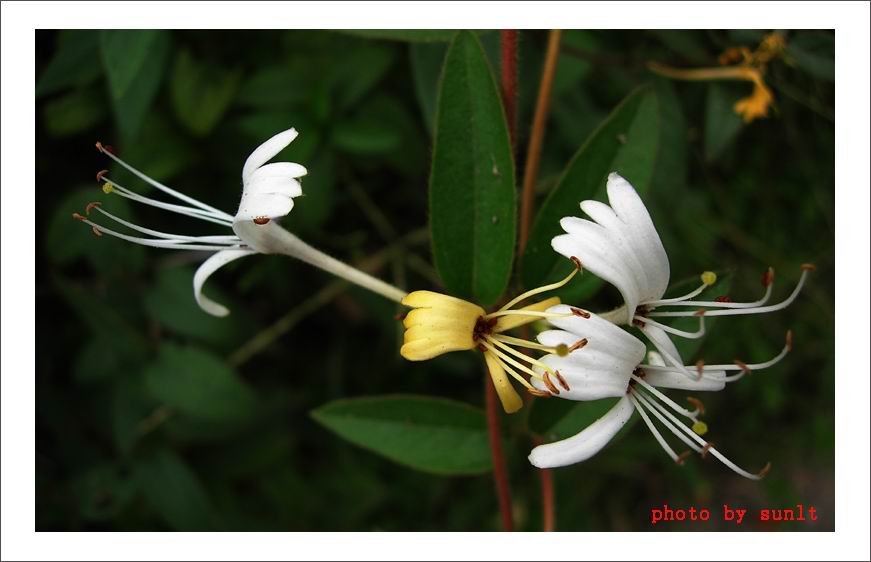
point(268, 191)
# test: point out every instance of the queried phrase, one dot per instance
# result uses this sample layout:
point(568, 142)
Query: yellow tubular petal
point(430, 299)
point(423, 349)
point(439, 317)
point(447, 335)
point(504, 323)
point(511, 401)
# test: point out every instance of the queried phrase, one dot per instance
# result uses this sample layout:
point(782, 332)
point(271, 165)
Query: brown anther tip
point(260, 221)
point(91, 205)
point(789, 340)
point(723, 298)
point(743, 366)
point(96, 231)
point(808, 267)
point(99, 146)
point(539, 393)
point(768, 277)
point(705, 449)
point(638, 322)
point(681, 458)
point(765, 470)
point(549, 384)
point(697, 403)
point(578, 345)
point(579, 312)
point(639, 372)
point(561, 380)
point(700, 312)
point(577, 262)
point(101, 173)
point(78, 217)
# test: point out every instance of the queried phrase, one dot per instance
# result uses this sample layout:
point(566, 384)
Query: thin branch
point(500, 470)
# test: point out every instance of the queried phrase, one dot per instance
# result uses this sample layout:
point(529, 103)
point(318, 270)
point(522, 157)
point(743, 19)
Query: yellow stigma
point(108, 188)
point(562, 350)
point(700, 427)
point(709, 278)
point(438, 324)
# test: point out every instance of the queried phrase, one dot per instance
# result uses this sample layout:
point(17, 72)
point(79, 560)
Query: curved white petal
point(262, 205)
point(668, 351)
point(586, 443)
point(290, 170)
point(600, 334)
point(266, 151)
point(215, 262)
point(713, 381)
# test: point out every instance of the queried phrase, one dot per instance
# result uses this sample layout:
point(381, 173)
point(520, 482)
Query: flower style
point(268, 191)
point(609, 365)
point(621, 246)
point(441, 324)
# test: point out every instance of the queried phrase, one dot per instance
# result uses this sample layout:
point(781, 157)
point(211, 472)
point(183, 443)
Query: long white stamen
point(166, 244)
point(682, 411)
point(738, 311)
point(217, 238)
point(653, 429)
point(689, 335)
point(672, 360)
point(162, 187)
point(654, 407)
point(717, 304)
point(180, 209)
point(662, 302)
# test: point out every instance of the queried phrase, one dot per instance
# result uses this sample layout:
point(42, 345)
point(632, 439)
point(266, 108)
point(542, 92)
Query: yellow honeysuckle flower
point(441, 323)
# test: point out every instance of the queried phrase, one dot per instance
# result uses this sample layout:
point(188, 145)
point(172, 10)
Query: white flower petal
point(290, 170)
point(600, 334)
point(215, 262)
point(591, 382)
point(713, 381)
point(273, 186)
point(262, 205)
point(586, 443)
point(663, 343)
point(266, 151)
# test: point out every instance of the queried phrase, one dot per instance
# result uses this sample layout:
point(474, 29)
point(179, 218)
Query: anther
point(765, 470)
point(723, 298)
point(539, 393)
point(91, 205)
point(789, 340)
point(700, 367)
point(78, 217)
point(808, 267)
point(705, 449)
point(768, 277)
point(579, 312)
point(697, 403)
point(743, 366)
point(261, 220)
point(681, 458)
point(549, 383)
point(700, 427)
point(700, 312)
point(96, 231)
point(562, 381)
point(99, 146)
point(579, 344)
point(562, 350)
point(105, 148)
point(577, 263)
point(101, 173)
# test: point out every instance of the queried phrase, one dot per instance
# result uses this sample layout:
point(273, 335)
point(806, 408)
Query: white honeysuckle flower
point(620, 244)
point(268, 191)
point(605, 361)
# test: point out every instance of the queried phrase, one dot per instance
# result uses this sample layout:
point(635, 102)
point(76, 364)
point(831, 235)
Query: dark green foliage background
point(151, 415)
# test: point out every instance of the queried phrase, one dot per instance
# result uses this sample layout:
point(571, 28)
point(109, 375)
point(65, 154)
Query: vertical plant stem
point(536, 138)
point(500, 470)
point(548, 513)
point(508, 40)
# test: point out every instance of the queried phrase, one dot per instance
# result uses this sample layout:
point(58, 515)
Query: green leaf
point(200, 385)
point(471, 188)
point(559, 419)
point(426, 64)
point(722, 124)
point(73, 64)
point(626, 142)
point(278, 85)
point(814, 52)
point(365, 136)
point(133, 61)
point(429, 434)
point(201, 93)
point(175, 492)
point(73, 113)
point(406, 35)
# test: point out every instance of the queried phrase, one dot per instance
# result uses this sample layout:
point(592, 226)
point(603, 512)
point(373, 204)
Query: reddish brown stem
point(500, 470)
point(509, 79)
point(548, 515)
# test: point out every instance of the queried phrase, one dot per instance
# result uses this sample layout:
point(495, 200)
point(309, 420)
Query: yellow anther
point(700, 427)
point(562, 350)
point(108, 188)
point(709, 278)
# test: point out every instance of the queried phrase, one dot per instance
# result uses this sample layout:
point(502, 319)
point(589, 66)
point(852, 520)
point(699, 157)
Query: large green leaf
point(134, 62)
point(426, 63)
point(626, 142)
point(201, 92)
point(175, 492)
point(199, 385)
point(471, 190)
point(429, 434)
point(722, 124)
